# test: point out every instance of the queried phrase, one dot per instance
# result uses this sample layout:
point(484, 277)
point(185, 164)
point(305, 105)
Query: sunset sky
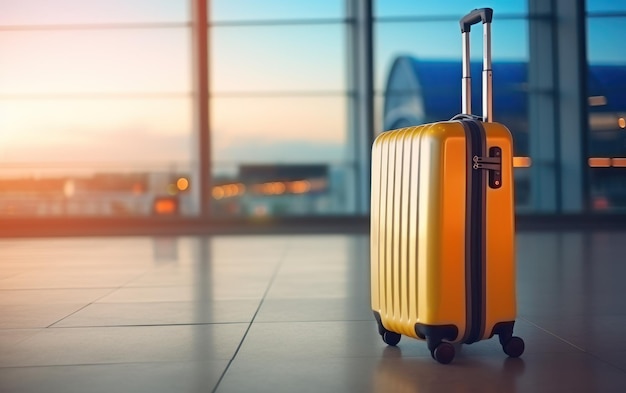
point(124, 94)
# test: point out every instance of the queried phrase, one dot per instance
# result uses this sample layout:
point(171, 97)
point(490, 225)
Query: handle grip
point(478, 15)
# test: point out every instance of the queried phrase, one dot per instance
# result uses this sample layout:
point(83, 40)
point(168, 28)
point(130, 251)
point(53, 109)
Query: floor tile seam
point(193, 301)
point(137, 277)
point(67, 316)
point(245, 334)
point(213, 300)
point(59, 288)
point(374, 357)
point(413, 355)
point(553, 335)
point(593, 355)
point(138, 325)
point(320, 321)
point(109, 292)
point(368, 320)
point(53, 289)
point(147, 362)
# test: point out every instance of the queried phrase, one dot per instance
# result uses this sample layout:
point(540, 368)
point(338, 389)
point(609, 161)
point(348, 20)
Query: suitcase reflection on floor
point(397, 374)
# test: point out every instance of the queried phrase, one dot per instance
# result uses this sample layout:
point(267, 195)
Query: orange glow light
point(273, 188)
point(522, 162)
point(599, 162)
point(279, 188)
point(300, 186)
point(621, 122)
point(618, 162)
point(597, 100)
point(182, 184)
point(233, 190)
point(228, 190)
point(165, 206)
point(218, 192)
point(268, 188)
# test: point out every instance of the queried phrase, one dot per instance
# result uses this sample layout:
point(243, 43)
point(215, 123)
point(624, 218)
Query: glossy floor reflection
point(287, 314)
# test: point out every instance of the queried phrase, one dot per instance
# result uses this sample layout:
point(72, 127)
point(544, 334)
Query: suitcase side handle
point(484, 15)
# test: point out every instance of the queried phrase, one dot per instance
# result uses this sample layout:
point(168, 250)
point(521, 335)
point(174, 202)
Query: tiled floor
point(287, 314)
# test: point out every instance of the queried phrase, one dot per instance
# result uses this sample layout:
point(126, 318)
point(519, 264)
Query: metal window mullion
point(543, 108)
point(361, 82)
point(572, 84)
point(200, 17)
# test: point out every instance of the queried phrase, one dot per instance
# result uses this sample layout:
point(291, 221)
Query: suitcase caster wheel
point(444, 353)
point(514, 347)
point(391, 338)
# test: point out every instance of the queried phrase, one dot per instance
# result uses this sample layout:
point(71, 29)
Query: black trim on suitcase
point(469, 309)
point(379, 322)
point(434, 334)
point(504, 330)
point(475, 234)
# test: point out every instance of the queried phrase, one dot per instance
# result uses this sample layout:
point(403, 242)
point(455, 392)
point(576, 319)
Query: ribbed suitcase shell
point(418, 231)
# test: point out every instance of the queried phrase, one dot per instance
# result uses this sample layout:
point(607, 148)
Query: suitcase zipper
point(475, 233)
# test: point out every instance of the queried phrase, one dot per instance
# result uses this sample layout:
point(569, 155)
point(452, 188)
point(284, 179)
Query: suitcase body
point(442, 235)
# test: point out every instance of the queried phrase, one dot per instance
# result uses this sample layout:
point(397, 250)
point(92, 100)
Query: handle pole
point(487, 75)
point(467, 78)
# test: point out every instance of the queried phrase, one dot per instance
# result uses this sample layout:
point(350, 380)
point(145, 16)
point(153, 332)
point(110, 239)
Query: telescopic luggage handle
point(483, 15)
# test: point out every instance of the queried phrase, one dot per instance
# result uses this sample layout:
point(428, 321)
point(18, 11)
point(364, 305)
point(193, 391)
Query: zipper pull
point(488, 163)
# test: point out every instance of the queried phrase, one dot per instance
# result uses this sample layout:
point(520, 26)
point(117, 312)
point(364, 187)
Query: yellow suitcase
point(442, 226)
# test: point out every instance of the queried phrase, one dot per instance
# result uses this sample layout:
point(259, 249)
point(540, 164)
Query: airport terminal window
point(97, 114)
point(95, 106)
point(607, 106)
point(278, 110)
point(418, 80)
